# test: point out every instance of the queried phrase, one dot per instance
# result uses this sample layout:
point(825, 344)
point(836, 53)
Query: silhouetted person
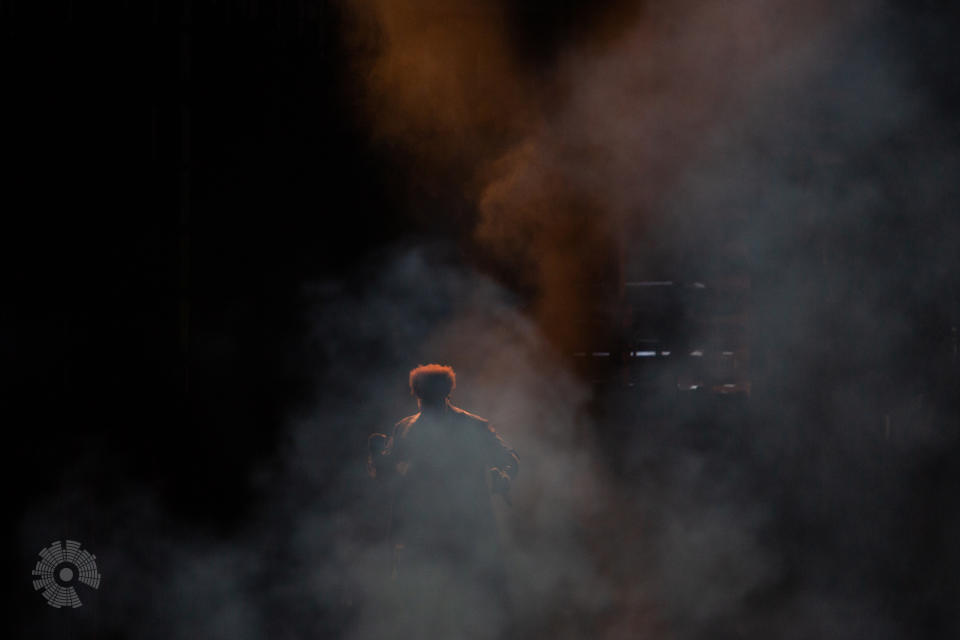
point(441, 466)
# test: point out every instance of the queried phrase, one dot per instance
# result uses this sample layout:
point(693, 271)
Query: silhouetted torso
point(441, 459)
point(447, 567)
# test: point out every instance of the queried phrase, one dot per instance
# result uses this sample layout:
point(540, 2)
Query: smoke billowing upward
point(778, 143)
point(565, 163)
point(439, 81)
point(783, 145)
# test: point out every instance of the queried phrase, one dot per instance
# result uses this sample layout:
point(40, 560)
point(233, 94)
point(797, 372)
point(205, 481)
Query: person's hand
point(376, 443)
point(376, 446)
point(499, 481)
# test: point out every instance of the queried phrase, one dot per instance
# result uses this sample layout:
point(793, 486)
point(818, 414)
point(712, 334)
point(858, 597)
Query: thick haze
point(658, 137)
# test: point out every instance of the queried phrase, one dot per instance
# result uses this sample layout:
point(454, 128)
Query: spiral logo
point(61, 566)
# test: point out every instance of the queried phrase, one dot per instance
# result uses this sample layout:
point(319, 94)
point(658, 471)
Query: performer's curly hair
point(432, 382)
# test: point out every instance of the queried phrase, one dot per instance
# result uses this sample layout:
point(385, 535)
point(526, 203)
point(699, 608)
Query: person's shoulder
point(405, 424)
point(466, 416)
point(408, 419)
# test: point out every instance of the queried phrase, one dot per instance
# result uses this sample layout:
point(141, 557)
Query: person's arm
point(379, 446)
point(384, 452)
point(505, 464)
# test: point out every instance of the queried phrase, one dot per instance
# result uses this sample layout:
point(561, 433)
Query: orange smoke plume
point(439, 78)
point(565, 163)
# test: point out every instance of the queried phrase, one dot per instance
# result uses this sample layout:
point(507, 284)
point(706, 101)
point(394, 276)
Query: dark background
point(174, 180)
point(176, 173)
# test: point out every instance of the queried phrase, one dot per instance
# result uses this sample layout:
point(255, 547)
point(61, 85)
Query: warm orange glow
point(563, 163)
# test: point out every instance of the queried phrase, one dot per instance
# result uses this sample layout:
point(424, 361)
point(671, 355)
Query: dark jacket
point(436, 465)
